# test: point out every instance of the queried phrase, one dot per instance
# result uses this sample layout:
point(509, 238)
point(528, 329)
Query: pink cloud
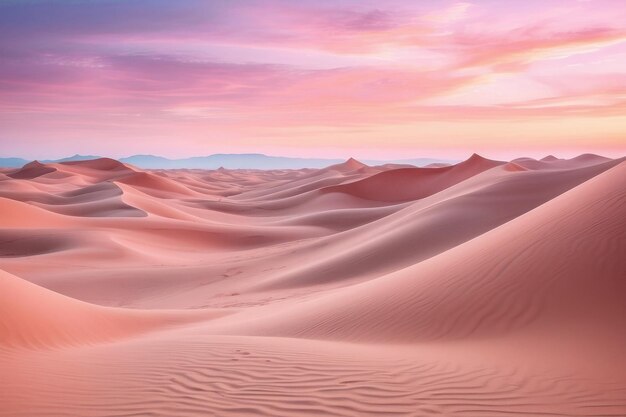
point(525, 45)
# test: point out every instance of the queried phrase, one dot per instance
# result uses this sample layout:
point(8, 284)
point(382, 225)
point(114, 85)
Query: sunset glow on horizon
point(323, 78)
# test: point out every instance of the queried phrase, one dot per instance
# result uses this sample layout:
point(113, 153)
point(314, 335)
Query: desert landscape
point(480, 288)
point(312, 208)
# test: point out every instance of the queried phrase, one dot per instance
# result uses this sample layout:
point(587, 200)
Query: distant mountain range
point(228, 161)
point(20, 162)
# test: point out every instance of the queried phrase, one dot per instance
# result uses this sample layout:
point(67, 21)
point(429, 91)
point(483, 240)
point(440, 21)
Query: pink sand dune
point(34, 317)
point(413, 183)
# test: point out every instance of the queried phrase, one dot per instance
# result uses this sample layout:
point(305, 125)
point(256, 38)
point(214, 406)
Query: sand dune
point(155, 185)
point(20, 214)
point(37, 318)
point(413, 183)
point(31, 170)
point(481, 288)
point(412, 233)
point(548, 266)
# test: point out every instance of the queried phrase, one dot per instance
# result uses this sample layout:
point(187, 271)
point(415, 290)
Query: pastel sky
point(383, 79)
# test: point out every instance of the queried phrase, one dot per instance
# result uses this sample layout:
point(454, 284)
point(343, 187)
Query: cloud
point(159, 81)
point(453, 13)
point(521, 46)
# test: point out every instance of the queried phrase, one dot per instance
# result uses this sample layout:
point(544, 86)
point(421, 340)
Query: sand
point(476, 289)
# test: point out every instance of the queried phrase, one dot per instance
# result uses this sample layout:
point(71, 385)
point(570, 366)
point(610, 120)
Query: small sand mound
point(549, 158)
point(348, 166)
point(31, 171)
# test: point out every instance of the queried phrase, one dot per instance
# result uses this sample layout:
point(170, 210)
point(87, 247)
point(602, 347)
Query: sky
point(370, 79)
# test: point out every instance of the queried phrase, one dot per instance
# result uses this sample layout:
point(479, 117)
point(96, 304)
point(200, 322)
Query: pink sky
point(371, 79)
